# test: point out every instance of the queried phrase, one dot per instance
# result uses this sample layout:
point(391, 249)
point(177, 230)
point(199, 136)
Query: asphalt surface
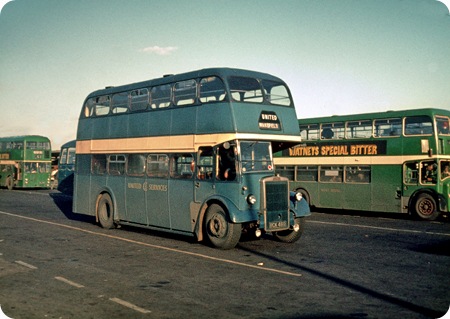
point(55, 264)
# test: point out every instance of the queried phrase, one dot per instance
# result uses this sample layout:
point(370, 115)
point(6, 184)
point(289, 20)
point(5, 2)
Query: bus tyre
point(219, 231)
point(9, 183)
point(105, 211)
point(425, 207)
point(291, 236)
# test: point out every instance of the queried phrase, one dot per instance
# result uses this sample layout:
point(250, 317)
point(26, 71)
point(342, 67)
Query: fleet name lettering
point(148, 187)
point(334, 150)
point(269, 117)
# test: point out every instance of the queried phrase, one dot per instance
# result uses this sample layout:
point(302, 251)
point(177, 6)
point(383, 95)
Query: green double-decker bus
point(395, 161)
point(191, 154)
point(25, 162)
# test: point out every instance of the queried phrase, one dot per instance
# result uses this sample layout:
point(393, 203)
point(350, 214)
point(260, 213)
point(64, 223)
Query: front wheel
point(220, 232)
point(290, 235)
point(105, 211)
point(9, 183)
point(425, 207)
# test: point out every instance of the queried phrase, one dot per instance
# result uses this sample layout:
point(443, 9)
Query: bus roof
point(24, 138)
point(375, 115)
point(221, 72)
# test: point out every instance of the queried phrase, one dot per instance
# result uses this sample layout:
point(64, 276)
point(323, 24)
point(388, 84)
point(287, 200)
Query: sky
point(337, 57)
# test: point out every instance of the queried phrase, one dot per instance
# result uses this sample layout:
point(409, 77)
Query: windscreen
point(256, 156)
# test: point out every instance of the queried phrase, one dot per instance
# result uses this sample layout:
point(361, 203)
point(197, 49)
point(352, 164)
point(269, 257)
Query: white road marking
point(237, 263)
point(129, 305)
point(70, 282)
point(25, 264)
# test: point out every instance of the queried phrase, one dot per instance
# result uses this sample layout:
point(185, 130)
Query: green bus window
point(276, 93)
point(357, 174)
point(119, 103)
point(388, 127)
point(139, 100)
point(185, 92)
point(136, 165)
point(418, 125)
point(212, 89)
point(309, 132)
point(329, 174)
point(286, 171)
point(445, 169)
point(102, 105)
point(158, 166)
point(443, 125)
point(161, 96)
point(307, 173)
point(411, 173)
point(244, 89)
point(359, 129)
point(205, 163)
point(116, 164)
point(333, 131)
point(98, 164)
point(182, 166)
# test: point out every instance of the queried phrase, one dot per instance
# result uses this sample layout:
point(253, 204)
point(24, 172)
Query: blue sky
point(338, 57)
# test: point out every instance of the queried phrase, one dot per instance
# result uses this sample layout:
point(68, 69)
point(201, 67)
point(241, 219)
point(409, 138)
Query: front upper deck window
point(212, 89)
point(276, 93)
point(443, 125)
point(256, 156)
point(418, 125)
point(245, 89)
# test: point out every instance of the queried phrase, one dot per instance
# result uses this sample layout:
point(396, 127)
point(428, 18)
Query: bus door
point(357, 187)
point(181, 191)
point(331, 186)
point(116, 182)
point(204, 185)
point(135, 189)
point(156, 189)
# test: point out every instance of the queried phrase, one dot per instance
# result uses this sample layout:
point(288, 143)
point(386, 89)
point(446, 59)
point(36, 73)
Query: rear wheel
point(105, 211)
point(290, 235)
point(425, 207)
point(220, 232)
point(9, 183)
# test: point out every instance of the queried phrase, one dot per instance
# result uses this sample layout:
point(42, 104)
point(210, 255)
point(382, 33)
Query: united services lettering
point(148, 187)
point(338, 149)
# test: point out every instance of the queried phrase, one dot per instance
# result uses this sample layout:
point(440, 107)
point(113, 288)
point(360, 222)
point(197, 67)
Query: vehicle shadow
point(353, 286)
point(64, 203)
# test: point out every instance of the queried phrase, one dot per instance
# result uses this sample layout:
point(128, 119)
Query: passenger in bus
point(227, 163)
point(445, 172)
point(430, 173)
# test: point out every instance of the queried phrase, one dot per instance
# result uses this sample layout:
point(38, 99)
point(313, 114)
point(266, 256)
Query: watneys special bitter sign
point(337, 149)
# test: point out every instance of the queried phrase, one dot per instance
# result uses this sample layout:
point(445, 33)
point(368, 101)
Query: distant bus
point(66, 167)
point(396, 161)
point(25, 162)
point(191, 154)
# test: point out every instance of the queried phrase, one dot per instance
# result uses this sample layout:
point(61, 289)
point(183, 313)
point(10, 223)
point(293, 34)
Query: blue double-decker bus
point(191, 154)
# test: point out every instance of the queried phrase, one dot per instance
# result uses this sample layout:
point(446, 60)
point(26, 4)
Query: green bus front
point(25, 162)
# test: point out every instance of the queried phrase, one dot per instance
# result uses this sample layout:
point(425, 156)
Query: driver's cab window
point(226, 158)
point(429, 172)
point(445, 169)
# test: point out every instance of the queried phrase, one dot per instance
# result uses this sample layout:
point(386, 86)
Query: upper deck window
point(388, 127)
point(245, 89)
point(139, 100)
point(161, 96)
point(276, 93)
point(185, 92)
point(359, 129)
point(212, 89)
point(418, 125)
point(309, 132)
point(119, 103)
point(333, 131)
point(102, 105)
point(443, 125)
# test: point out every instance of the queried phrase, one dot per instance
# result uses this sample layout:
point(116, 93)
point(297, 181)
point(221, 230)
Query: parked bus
point(25, 162)
point(395, 161)
point(66, 166)
point(191, 154)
